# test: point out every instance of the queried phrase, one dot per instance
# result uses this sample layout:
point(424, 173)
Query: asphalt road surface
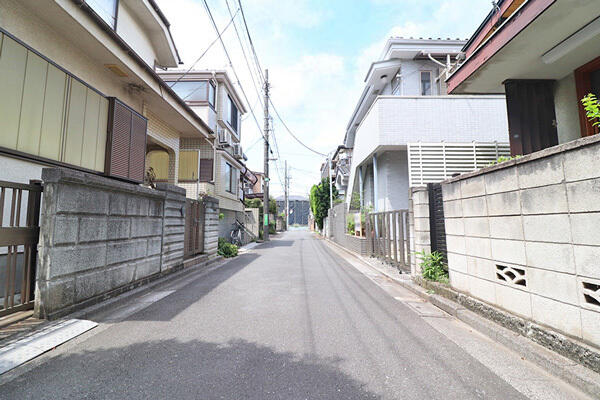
point(291, 319)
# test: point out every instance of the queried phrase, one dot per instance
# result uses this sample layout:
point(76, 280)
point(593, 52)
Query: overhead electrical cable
point(219, 34)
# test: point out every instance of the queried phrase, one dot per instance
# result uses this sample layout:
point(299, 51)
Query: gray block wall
point(211, 225)
point(525, 236)
point(98, 234)
point(173, 225)
point(420, 237)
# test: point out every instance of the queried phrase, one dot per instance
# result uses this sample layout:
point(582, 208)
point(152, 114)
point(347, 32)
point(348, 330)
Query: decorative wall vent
point(513, 275)
point(591, 293)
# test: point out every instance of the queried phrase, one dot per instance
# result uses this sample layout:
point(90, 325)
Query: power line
point(244, 53)
point(292, 134)
point(212, 20)
point(206, 51)
point(250, 40)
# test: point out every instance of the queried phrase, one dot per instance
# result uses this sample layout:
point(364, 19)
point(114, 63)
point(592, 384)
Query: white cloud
point(316, 90)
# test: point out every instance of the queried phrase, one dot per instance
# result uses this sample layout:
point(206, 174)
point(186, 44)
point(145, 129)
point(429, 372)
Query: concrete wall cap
point(167, 187)
point(64, 175)
point(209, 199)
point(550, 151)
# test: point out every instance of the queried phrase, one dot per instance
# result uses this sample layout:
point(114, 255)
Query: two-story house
point(78, 88)
point(406, 131)
point(215, 168)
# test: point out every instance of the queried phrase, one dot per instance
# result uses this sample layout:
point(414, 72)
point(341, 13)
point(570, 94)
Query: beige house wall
point(168, 138)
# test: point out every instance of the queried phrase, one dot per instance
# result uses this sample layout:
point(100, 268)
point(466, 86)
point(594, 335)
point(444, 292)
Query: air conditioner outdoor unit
point(224, 137)
point(237, 151)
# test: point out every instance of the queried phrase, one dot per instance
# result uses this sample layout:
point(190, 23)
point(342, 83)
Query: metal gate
point(388, 237)
point(19, 235)
point(194, 228)
point(437, 228)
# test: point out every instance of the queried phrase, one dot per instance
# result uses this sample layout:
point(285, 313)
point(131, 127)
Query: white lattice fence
point(434, 162)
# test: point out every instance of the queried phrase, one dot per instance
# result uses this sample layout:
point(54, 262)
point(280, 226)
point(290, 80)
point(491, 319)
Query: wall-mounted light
point(383, 79)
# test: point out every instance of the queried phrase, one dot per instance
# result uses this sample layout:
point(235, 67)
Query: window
point(211, 94)
point(106, 9)
point(193, 91)
point(46, 112)
point(425, 83)
point(232, 114)
point(228, 177)
point(231, 178)
point(188, 166)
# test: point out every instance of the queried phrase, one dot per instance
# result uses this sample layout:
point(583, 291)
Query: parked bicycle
point(235, 237)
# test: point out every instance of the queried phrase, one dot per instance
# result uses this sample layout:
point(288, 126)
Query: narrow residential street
point(290, 319)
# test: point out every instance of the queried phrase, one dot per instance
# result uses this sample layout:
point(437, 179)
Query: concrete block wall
point(524, 236)
point(99, 234)
point(211, 225)
point(419, 225)
point(337, 219)
point(173, 225)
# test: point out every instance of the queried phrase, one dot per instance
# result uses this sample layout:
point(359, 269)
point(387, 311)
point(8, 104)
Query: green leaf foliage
point(227, 249)
point(319, 200)
point(433, 267)
point(592, 108)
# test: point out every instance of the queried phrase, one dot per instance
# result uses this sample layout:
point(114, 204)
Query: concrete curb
point(556, 364)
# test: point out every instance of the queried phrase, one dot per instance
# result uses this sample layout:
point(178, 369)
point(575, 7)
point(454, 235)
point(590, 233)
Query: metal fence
point(388, 237)
point(19, 236)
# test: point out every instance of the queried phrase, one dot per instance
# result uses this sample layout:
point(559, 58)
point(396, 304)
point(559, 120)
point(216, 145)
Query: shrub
point(433, 267)
point(227, 249)
point(350, 224)
point(592, 108)
point(502, 159)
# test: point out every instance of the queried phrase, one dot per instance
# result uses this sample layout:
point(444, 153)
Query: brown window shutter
point(126, 149)
point(137, 151)
point(119, 138)
point(206, 170)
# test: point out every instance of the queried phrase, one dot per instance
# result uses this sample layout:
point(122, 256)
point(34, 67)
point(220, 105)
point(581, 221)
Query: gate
point(437, 228)
point(194, 228)
point(19, 235)
point(388, 237)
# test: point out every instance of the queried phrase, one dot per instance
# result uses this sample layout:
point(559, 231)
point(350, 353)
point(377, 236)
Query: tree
point(319, 200)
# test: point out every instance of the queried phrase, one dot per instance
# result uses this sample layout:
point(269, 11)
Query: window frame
point(229, 171)
point(421, 72)
point(21, 155)
point(232, 106)
point(214, 99)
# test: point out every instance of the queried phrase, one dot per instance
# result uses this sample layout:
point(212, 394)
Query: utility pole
point(266, 178)
point(330, 186)
point(287, 198)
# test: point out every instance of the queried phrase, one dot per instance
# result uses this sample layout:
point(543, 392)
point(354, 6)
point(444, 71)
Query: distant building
point(299, 209)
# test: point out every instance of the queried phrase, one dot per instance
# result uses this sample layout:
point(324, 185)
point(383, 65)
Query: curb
point(556, 364)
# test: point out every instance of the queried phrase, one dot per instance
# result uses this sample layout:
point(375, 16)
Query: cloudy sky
point(317, 53)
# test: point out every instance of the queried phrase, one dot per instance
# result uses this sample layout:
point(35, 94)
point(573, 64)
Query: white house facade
point(404, 103)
